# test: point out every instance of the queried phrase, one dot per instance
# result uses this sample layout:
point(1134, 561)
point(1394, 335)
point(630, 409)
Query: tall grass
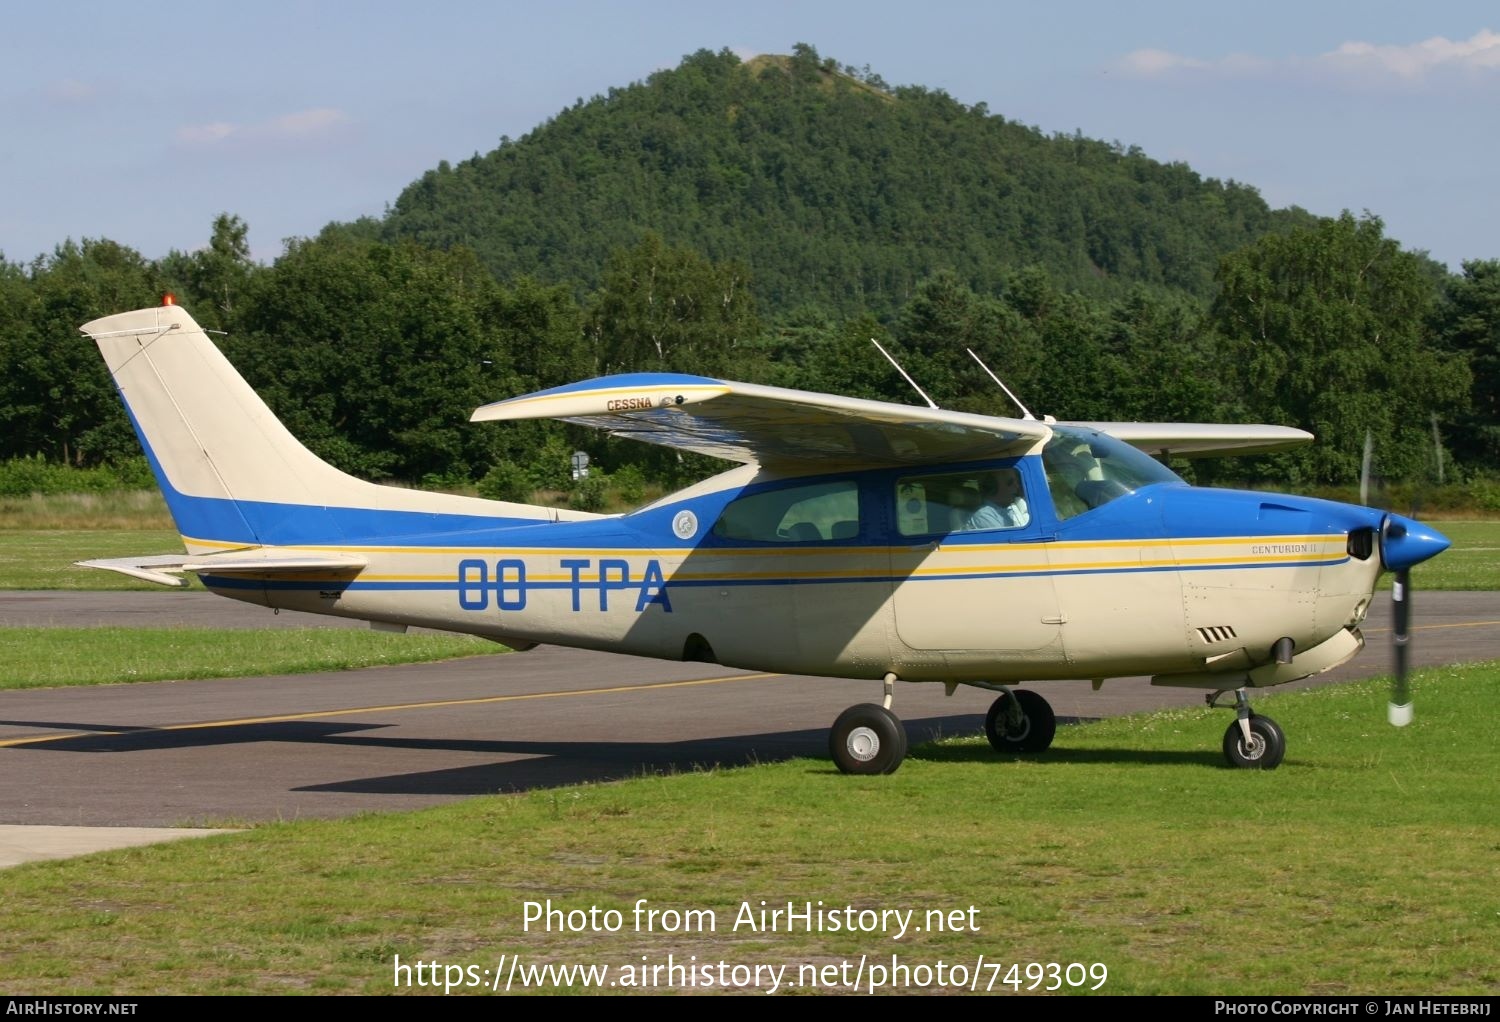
point(114, 509)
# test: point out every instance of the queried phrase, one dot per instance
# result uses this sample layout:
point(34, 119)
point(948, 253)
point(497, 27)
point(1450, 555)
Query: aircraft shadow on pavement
point(555, 764)
point(546, 763)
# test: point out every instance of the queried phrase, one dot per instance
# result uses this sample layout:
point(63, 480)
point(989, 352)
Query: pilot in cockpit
point(1003, 506)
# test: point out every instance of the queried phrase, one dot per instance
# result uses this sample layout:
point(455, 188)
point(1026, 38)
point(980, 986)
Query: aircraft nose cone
point(1404, 542)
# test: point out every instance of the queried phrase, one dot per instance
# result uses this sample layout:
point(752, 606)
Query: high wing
point(165, 569)
point(772, 426)
point(1201, 439)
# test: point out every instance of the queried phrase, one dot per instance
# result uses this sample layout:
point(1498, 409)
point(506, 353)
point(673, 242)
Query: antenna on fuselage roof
point(930, 402)
point(1025, 412)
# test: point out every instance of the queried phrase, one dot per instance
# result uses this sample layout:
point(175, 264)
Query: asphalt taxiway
point(218, 753)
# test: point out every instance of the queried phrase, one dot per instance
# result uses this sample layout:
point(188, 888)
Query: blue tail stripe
point(269, 523)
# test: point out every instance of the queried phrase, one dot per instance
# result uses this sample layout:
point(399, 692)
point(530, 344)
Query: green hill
point(834, 189)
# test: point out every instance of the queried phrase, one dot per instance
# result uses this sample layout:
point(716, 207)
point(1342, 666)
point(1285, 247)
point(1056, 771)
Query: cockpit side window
point(813, 513)
point(972, 501)
point(1087, 469)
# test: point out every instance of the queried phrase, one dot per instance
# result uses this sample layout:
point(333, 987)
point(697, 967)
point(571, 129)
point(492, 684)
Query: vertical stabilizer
point(231, 472)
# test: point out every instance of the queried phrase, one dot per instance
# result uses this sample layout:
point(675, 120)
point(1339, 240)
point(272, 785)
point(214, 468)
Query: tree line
point(375, 351)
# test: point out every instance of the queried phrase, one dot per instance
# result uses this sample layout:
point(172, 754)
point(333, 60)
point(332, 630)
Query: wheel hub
point(863, 744)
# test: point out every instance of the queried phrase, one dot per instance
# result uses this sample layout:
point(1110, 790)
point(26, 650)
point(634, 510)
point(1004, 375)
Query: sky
point(141, 122)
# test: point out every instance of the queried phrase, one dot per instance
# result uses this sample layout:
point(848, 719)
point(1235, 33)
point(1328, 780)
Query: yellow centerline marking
point(1431, 628)
point(387, 708)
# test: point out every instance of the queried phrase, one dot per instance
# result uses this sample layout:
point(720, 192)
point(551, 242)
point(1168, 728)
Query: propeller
point(1398, 710)
point(1403, 543)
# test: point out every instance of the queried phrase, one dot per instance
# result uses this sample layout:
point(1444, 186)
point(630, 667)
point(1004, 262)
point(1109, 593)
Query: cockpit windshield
point(1088, 469)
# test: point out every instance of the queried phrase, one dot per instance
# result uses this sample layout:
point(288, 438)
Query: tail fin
point(232, 474)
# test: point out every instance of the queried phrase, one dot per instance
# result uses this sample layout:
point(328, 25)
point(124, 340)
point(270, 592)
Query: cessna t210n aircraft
point(855, 539)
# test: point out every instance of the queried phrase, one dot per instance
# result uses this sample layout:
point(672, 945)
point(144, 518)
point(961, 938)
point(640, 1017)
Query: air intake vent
point(1216, 633)
point(1362, 543)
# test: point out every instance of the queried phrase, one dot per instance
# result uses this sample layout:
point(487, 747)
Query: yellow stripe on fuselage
point(957, 558)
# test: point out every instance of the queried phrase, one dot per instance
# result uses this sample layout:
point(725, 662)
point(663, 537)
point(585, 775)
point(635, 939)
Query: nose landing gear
point(1252, 742)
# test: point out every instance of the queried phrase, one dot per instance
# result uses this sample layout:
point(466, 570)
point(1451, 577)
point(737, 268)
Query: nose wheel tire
point(1020, 722)
point(867, 739)
point(1264, 750)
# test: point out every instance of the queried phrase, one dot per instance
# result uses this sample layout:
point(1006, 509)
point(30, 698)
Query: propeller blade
point(1399, 711)
point(1364, 469)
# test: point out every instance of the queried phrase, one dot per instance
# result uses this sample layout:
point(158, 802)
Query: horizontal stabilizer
point(166, 569)
point(265, 559)
point(148, 569)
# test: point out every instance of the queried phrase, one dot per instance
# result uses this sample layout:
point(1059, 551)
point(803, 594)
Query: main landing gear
point(1020, 721)
point(870, 739)
point(1252, 742)
point(867, 739)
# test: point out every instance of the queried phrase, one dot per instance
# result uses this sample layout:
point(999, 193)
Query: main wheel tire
point(1265, 749)
point(867, 739)
point(1034, 732)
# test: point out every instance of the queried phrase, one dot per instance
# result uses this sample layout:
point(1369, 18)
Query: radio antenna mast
point(1025, 412)
point(930, 402)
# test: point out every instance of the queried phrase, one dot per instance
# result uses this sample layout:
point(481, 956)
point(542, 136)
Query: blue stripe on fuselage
point(269, 523)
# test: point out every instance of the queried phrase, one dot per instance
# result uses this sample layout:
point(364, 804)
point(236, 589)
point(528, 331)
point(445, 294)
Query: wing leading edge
point(773, 426)
point(1201, 439)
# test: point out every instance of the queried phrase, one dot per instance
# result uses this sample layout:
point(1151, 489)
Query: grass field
point(43, 558)
point(1472, 562)
point(1366, 865)
point(56, 657)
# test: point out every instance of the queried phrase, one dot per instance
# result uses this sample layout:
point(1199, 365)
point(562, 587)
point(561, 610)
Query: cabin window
point(973, 501)
point(818, 512)
point(1087, 469)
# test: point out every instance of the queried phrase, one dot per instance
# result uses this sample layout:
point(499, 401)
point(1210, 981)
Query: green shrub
point(1484, 493)
point(21, 477)
point(630, 484)
point(591, 493)
point(507, 481)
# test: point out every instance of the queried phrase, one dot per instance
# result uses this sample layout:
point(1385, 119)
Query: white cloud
point(1480, 53)
point(1149, 63)
point(302, 125)
point(205, 134)
point(71, 90)
point(1353, 62)
point(306, 123)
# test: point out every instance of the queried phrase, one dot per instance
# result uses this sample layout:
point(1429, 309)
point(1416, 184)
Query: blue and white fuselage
point(856, 539)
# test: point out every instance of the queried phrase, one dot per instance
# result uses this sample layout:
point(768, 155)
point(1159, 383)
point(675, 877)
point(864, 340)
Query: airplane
point(852, 539)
